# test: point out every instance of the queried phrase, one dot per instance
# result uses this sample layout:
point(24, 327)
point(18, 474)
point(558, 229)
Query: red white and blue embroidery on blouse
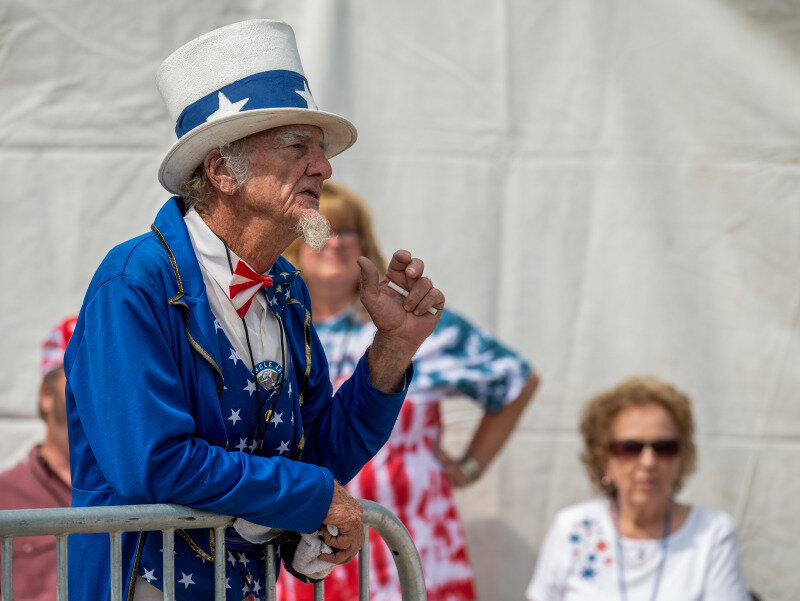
point(590, 549)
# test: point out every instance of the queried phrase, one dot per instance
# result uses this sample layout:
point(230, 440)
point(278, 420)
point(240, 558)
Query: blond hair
point(345, 210)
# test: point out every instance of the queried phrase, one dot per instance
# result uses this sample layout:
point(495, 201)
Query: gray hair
point(197, 189)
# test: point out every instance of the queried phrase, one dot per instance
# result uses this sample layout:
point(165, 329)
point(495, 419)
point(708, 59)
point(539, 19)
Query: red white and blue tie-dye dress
point(458, 360)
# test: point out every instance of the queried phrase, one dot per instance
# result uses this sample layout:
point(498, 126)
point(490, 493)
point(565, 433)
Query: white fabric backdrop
point(610, 186)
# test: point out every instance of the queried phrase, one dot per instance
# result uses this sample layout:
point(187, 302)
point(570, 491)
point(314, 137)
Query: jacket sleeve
point(135, 415)
point(345, 431)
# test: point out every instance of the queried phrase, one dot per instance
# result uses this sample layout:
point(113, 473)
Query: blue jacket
point(145, 391)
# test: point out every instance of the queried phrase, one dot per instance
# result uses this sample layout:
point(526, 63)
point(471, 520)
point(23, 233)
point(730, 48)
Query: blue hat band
point(267, 90)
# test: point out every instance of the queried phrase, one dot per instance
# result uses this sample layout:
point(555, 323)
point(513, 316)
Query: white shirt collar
point(210, 252)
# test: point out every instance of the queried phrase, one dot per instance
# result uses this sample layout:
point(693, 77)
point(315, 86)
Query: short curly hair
point(600, 412)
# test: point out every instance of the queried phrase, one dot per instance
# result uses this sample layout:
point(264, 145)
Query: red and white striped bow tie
point(245, 284)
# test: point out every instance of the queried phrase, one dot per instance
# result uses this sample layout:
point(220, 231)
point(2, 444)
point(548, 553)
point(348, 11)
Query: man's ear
point(219, 174)
point(46, 401)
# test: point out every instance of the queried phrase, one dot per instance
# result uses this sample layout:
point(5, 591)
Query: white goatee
point(314, 229)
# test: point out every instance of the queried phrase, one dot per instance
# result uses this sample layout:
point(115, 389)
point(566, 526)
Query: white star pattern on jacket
point(277, 419)
point(242, 444)
point(234, 416)
point(251, 387)
point(148, 575)
point(234, 356)
point(284, 448)
point(186, 580)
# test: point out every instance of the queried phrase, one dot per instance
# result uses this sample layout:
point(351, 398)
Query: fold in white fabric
point(306, 557)
point(251, 532)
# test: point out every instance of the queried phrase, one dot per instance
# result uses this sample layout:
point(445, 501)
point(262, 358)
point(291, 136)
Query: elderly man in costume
point(194, 375)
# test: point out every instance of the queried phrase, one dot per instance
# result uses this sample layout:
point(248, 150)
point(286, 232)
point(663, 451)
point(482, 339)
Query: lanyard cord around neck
point(258, 436)
point(623, 591)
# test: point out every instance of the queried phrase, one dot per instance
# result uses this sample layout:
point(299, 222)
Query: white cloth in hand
point(306, 557)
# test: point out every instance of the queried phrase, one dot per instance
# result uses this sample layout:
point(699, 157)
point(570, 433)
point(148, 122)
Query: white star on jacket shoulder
point(186, 580)
point(288, 294)
point(242, 444)
point(226, 107)
point(227, 585)
point(256, 586)
point(235, 356)
point(305, 94)
point(251, 387)
point(277, 419)
point(216, 326)
point(253, 446)
point(235, 416)
point(284, 446)
point(243, 559)
point(148, 575)
point(231, 558)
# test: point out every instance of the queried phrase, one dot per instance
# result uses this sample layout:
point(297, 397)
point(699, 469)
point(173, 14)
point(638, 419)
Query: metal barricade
point(168, 518)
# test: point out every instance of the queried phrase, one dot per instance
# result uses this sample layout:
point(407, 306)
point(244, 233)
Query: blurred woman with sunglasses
point(410, 475)
point(638, 543)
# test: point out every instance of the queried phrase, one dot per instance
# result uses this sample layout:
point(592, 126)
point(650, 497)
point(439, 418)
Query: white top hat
point(233, 82)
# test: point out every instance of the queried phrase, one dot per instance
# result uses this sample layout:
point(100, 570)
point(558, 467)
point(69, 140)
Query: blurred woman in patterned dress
point(411, 475)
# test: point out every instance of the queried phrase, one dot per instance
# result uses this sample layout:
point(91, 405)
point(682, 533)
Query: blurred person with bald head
point(43, 478)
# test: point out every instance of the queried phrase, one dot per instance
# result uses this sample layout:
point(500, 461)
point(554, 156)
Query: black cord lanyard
point(623, 589)
point(258, 436)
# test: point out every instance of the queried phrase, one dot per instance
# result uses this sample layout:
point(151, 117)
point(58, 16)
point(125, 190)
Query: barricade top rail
point(166, 517)
point(126, 518)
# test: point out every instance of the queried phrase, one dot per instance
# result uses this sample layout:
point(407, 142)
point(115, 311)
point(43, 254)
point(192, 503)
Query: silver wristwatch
point(470, 468)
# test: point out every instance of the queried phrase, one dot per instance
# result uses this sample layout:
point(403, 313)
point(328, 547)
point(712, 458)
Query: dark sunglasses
point(630, 449)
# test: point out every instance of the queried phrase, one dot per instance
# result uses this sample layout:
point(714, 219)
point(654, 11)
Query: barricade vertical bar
point(61, 568)
point(7, 582)
point(363, 568)
point(269, 585)
point(319, 591)
point(219, 563)
point(116, 565)
point(168, 550)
